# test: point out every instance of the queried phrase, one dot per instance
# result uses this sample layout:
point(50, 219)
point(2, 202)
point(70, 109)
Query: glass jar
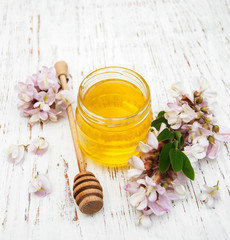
point(113, 115)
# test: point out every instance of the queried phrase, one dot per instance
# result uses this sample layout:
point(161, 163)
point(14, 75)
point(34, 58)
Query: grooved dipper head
point(88, 193)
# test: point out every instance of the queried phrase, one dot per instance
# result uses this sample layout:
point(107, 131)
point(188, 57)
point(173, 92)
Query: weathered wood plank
point(165, 41)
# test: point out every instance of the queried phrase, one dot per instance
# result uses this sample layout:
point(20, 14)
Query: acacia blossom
point(153, 188)
point(191, 114)
point(209, 195)
point(41, 98)
point(152, 142)
point(38, 146)
point(15, 153)
point(149, 193)
point(40, 185)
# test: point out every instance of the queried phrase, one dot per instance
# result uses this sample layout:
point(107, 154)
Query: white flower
point(172, 115)
point(178, 185)
point(210, 194)
point(188, 113)
point(196, 130)
point(177, 89)
point(15, 153)
point(145, 220)
point(138, 165)
point(38, 146)
point(40, 185)
point(198, 148)
point(152, 142)
point(65, 97)
point(202, 85)
point(47, 78)
point(138, 199)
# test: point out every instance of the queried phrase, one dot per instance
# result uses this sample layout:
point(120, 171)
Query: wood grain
point(163, 40)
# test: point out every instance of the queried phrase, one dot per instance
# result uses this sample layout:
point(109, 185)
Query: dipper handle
point(61, 70)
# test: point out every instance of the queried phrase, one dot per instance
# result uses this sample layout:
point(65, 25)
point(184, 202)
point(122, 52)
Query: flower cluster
point(152, 191)
point(178, 138)
point(41, 98)
point(192, 115)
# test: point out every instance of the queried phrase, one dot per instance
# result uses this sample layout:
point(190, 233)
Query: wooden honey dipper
point(87, 190)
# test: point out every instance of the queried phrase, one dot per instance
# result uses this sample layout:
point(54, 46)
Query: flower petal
point(142, 205)
point(132, 187)
point(145, 221)
point(153, 196)
point(152, 140)
point(160, 190)
point(134, 173)
point(164, 202)
point(213, 150)
point(142, 147)
point(138, 163)
point(211, 202)
point(172, 195)
point(157, 210)
point(137, 198)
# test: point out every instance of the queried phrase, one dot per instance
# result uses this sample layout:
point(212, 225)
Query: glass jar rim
point(130, 71)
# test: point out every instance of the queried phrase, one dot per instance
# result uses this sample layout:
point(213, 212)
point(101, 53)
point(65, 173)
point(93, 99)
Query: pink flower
point(195, 130)
point(188, 113)
point(32, 80)
point(202, 85)
point(132, 187)
point(213, 150)
point(65, 97)
point(152, 142)
point(15, 153)
point(45, 100)
point(197, 150)
point(223, 135)
point(26, 92)
point(138, 199)
point(38, 146)
point(47, 78)
point(172, 115)
point(40, 185)
point(146, 194)
point(37, 114)
point(176, 189)
point(161, 205)
point(177, 89)
point(145, 220)
point(209, 195)
point(138, 165)
point(41, 98)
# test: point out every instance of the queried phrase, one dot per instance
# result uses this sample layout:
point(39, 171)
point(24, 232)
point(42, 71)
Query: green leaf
point(161, 114)
point(181, 143)
point(165, 135)
point(180, 138)
point(178, 135)
point(157, 122)
point(176, 159)
point(187, 168)
point(175, 143)
point(164, 161)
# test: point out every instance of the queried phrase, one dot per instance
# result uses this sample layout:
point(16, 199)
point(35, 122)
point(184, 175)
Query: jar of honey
point(113, 115)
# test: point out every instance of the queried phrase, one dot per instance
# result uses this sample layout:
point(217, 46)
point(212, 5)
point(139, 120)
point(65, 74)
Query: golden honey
point(113, 115)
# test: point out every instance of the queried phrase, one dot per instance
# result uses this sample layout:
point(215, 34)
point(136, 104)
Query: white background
point(164, 41)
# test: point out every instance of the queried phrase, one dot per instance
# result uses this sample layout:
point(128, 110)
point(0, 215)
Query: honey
point(113, 115)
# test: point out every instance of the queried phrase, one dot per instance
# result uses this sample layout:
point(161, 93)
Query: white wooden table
point(163, 40)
